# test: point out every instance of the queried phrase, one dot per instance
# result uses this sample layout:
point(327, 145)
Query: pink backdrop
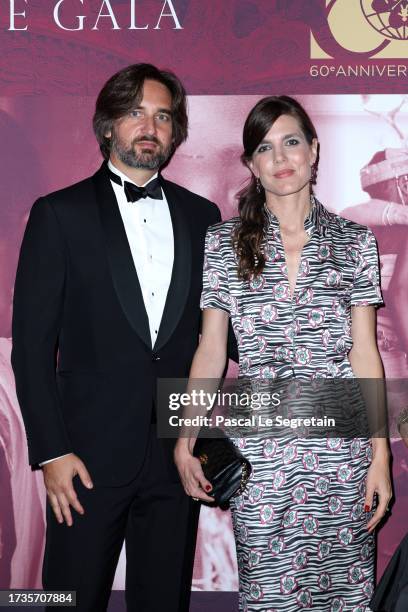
point(228, 54)
point(52, 145)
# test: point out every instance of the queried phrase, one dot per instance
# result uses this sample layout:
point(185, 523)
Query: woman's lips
point(283, 174)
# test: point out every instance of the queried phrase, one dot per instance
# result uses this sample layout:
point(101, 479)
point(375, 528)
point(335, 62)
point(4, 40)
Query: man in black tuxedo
point(106, 302)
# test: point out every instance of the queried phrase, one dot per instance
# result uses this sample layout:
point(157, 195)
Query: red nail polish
point(366, 508)
point(208, 488)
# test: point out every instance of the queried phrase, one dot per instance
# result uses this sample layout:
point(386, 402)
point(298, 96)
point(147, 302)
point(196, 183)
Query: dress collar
point(316, 220)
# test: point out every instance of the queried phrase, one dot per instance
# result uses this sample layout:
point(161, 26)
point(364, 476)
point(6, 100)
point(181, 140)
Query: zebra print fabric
point(300, 526)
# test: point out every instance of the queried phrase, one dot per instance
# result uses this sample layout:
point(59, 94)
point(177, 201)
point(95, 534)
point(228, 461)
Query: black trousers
point(158, 523)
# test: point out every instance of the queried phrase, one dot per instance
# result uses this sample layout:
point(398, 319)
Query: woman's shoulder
point(220, 237)
point(224, 228)
point(346, 227)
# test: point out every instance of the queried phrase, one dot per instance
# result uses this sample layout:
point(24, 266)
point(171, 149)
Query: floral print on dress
point(334, 443)
point(304, 598)
point(357, 511)
point(255, 557)
point(300, 560)
point(335, 504)
point(338, 605)
point(214, 242)
point(322, 485)
point(326, 337)
point(256, 493)
point(246, 364)
point(310, 461)
point(262, 343)
point(278, 480)
point(316, 317)
point(213, 279)
point(255, 591)
point(290, 518)
point(310, 524)
point(281, 292)
point(257, 283)
point(289, 453)
point(272, 253)
point(368, 588)
point(269, 448)
point(333, 278)
point(303, 355)
point(268, 372)
point(247, 324)
point(288, 584)
point(324, 581)
point(266, 513)
point(344, 472)
point(304, 268)
point(268, 313)
point(355, 574)
point(299, 494)
point(304, 507)
point(345, 536)
point(291, 330)
point(324, 549)
point(324, 252)
point(304, 296)
point(276, 545)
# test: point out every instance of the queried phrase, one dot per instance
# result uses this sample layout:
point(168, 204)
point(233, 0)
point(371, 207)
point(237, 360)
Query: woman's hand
point(378, 481)
point(191, 474)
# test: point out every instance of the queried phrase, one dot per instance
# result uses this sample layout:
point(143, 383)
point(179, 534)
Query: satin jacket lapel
point(181, 274)
point(121, 263)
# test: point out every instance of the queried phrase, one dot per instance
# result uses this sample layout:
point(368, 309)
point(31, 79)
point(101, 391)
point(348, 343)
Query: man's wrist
point(54, 459)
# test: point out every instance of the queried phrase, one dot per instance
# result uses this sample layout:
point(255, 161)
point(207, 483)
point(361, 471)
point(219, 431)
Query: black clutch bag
point(223, 465)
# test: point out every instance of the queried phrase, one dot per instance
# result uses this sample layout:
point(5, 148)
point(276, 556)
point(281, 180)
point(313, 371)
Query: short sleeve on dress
point(366, 284)
point(215, 293)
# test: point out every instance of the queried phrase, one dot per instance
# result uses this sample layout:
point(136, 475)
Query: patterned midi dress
point(300, 525)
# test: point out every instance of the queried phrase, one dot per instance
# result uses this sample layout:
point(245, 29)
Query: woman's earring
point(258, 185)
point(313, 174)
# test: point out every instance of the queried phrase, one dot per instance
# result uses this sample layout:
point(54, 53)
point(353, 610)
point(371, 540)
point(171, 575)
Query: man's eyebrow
point(168, 111)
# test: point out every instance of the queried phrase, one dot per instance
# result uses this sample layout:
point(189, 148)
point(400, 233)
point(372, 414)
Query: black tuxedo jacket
point(84, 366)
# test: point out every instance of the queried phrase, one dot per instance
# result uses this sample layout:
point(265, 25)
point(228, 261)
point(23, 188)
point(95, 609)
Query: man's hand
point(58, 475)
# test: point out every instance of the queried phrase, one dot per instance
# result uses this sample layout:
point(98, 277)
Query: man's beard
point(147, 160)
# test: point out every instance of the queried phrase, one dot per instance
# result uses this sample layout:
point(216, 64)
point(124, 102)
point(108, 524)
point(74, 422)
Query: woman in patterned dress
point(300, 285)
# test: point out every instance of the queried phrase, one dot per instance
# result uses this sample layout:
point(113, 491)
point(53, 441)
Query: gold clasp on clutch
point(244, 478)
point(203, 459)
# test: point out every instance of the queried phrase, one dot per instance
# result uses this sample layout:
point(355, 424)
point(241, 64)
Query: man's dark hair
point(124, 90)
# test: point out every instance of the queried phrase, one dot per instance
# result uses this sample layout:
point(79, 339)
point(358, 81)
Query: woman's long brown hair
point(250, 232)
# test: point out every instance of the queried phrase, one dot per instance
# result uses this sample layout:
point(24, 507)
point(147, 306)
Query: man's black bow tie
point(133, 192)
point(151, 190)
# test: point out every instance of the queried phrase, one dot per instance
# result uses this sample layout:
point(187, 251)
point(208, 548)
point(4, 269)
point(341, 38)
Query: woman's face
point(283, 160)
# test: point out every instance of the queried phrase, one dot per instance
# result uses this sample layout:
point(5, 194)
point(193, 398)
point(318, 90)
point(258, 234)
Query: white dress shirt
point(149, 231)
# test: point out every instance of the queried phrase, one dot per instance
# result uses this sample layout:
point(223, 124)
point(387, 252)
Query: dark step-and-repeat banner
point(347, 63)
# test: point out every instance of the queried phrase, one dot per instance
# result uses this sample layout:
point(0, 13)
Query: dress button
point(155, 357)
